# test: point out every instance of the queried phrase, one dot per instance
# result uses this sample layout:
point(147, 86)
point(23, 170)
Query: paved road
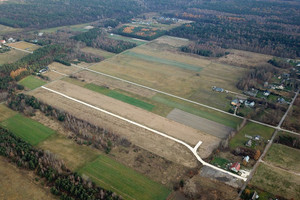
point(19, 49)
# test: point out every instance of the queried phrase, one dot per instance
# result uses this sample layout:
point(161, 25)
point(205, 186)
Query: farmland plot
point(140, 137)
point(24, 46)
point(156, 66)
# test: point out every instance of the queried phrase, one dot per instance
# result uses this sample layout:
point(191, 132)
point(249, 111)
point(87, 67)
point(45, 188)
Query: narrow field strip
point(163, 61)
point(193, 150)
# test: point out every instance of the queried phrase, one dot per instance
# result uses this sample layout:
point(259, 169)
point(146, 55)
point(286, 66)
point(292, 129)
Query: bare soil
point(208, 189)
point(199, 123)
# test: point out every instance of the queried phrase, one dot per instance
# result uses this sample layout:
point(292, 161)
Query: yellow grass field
point(7, 29)
point(11, 56)
point(24, 46)
point(17, 183)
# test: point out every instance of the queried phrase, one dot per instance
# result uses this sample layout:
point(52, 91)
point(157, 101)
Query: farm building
point(267, 93)
point(249, 143)
point(217, 89)
point(249, 103)
point(235, 167)
point(253, 92)
point(235, 102)
point(43, 70)
point(2, 41)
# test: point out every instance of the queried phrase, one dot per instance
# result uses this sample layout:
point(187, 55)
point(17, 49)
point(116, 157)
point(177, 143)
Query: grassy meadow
point(277, 182)
point(31, 82)
point(29, 130)
point(284, 157)
point(122, 180)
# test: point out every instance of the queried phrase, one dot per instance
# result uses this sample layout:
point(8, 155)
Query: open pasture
point(74, 155)
point(7, 29)
point(31, 82)
point(284, 157)
point(127, 39)
point(27, 129)
point(5, 112)
point(124, 181)
point(24, 46)
point(187, 76)
point(55, 66)
point(11, 56)
point(277, 181)
point(20, 184)
point(98, 52)
point(139, 136)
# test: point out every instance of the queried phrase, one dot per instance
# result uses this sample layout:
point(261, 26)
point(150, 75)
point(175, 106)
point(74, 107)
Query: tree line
point(98, 39)
point(63, 182)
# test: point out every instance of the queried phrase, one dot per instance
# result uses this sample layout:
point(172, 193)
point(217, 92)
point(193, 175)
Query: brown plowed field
point(143, 138)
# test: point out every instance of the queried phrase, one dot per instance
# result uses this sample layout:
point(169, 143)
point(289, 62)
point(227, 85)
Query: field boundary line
point(19, 49)
point(58, 72)
point(194, 151)
point(177, 97)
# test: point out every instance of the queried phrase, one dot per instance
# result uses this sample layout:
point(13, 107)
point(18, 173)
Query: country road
point(181, 98)
point(192, 149)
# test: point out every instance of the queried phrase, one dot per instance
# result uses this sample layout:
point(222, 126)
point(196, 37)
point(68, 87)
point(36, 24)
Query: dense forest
point(64, 183)
point(98, 39)
point(240, 35)
point(28, 64)
point(51, 13)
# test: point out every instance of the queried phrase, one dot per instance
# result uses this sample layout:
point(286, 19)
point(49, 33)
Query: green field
point(119, 96)
point(277, 182)
point(127, 39)
point(31, 82)
point(283, 156)
point(78, 27)
point(27, 129)
point(129, 184)
point(221, 118)
point(163, 61)
point(251, 129)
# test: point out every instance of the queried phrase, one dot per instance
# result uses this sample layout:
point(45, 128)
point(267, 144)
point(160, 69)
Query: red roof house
point(2, 41)
point(235, 167)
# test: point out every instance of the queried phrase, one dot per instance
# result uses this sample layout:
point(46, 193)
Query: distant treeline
point(64, 183)
point(240, 35)
point(50, 13)
point(97, 39)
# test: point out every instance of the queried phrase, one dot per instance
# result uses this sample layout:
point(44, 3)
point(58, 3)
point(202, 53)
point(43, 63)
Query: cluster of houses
point(239, 102)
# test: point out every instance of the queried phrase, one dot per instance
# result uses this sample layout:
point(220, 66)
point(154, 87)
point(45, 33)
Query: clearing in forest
point(29, 130)
point(31, 82)
point(24, 46)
